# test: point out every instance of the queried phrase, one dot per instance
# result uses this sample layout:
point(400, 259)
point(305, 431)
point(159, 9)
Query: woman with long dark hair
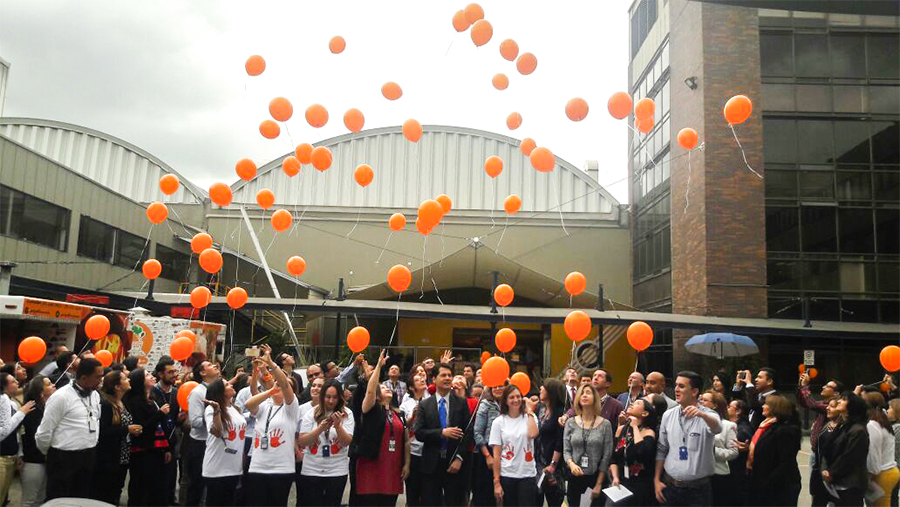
point(326, 433)
point(416, 392)
point(149, 446)
point(512, 439)
point(222, 461)
point(844, 466)
point(113, 451)
point(549, 442)
point(880, 461)
point(820, 496)
point(34, 473)
point(10, 419)
point(634, 460)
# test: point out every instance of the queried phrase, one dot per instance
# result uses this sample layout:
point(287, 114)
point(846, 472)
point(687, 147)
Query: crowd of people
point(437, 435)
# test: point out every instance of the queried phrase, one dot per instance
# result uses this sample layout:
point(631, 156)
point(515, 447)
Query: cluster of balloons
point(431, 212)
point(812, 372)
point(183, 345)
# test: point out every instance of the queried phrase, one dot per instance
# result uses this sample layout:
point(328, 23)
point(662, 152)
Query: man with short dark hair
point(131, 363)
point(397, 386)
point(64, 372)
point(755, 392)
point(685, 452)
point(204, 372)
point(468, 373)
point(69, 431)
point(570, 379)
point(50, 367)
point(285, 361)
point(609, 406)
point(164, 393)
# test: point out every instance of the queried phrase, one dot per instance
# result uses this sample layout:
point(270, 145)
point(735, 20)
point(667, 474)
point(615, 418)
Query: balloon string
point(357, 222)
point(181, 222)
point(312, 197)
point(422, 289)
point(442, 246)
point(501, 235)
point(265, 254)
point(291, 139)
point(436, 292)
point(493, 191)
point(378, 260)
point(396, 320)
point(637, 134)
point(448, 47)
point(742, 152)
point(687, 188)
point(558, 205)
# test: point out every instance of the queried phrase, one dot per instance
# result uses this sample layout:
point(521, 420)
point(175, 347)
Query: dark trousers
point(108, 483)
point(519, 491)
point(378, 500)
point(69, 473)
point(171, 480)
point(193, 464)
point(299, 483)
point(270, 489)
point(688, 497)
point(242, 493)
point(722, 490)
point(442, 488)
point(220, 490)
point(482, 483)
point(352, 501)
point(144, 478)
point(553, 493)
point(895, 496)
point(414, 482)
point(576, 488)
point(848, 497)
point(326, 491)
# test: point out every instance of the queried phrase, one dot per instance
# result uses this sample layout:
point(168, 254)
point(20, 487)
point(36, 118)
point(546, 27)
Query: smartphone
point(251, 352)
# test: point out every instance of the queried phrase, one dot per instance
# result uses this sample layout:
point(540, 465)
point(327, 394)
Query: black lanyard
point(270, 415)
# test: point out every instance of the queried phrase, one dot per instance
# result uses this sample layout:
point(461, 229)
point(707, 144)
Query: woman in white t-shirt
point(512, 439)
point(222, 461)
point(276, 411)
point(325, 434)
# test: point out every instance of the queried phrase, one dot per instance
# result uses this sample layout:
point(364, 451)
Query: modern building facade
point(817, 236)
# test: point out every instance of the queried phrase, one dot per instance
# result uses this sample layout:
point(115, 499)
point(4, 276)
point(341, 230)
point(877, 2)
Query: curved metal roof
point(108, 160)
point(446, 160)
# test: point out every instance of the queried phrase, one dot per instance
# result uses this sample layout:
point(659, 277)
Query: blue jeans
point(688, 497)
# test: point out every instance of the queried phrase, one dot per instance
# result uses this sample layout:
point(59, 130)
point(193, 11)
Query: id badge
point(682, 453)
point(443, 454)
point(92, 428)
point(392, 445)
point(585, 462)
point(326, 451)
point(264, 443)
point(230, 451)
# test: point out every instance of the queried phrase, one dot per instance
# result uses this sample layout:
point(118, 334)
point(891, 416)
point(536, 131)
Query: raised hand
point(447, 357)
point(28, 407)
point(165, 408)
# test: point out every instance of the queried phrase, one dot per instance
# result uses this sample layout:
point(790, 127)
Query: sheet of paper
point(585, 498)
point(617, 493)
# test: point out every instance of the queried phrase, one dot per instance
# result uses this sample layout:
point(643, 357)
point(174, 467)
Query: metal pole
point(495, 283)
point(150, 289)
point(601, 298)
point(805, 309)
point(337, 323)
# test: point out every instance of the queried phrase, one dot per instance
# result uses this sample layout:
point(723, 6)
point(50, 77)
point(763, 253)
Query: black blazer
point(428, 430)
point(845, 459)
point(109, 443)
point(775, 470)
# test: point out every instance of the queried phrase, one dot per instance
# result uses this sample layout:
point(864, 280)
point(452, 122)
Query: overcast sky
point(169, 76)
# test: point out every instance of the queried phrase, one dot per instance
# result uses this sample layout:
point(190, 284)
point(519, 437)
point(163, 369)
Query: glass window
point(821, 275)
point(780, 140)
point(665, 134)
point(782, 229)
point(857, 230)
point(778, 97)
point(783, 274)
point(885, 148)
point(857, 277)
point(814, 141)
point(884, 99)
point(825, 309)
point(651, 13)
point(816, 98)
point(776, 54)
point(636, 30)
point(665, 56)
point(883, 50)
point(31, 219)
point(666, 166)
point(817, 184)
point(889, 276)
point(96, 240)
point(848, 55)
point(889, 311)
point(781, 184)
point(130, 249)
point(176, 265)
point(887, 186)
point(859, 310)
point(887, 223)
point(851, 142)
point(819, 229)
point(850, 99)
point(852, 186)
point(812, 55)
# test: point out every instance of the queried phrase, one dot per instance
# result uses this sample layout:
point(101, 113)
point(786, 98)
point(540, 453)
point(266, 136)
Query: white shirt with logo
point(277, 426)
point(516, 448)
point(224, 455)
point(315, 463)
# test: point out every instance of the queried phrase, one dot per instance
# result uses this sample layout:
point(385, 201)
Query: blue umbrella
point(721, 345)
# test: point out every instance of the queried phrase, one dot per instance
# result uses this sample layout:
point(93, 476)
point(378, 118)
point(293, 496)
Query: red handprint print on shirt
point(232, 432)
point(275, 440)
point(256, 441)
point(243, 431)
point(508, 452)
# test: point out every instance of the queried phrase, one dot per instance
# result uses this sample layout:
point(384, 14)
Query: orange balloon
point(391, 90)
point(265, 198)
point(211, 260)
point(526, 63)
point(644, 109)
point(813, 373)
point(431, 212)
point(255, 65)
point(32, 349)
point(445, 202)
point(482, 31)
point(577, 109)
point(577, 325)
point(245, 169)
point(96, 327)
point(321, 158)
point(412, 130)
point(337, 44)
point(358, 339)
point(183, 392)
point(354, 120)
point(200, 242)
point(503, 294)
point(105, 357)
point(397, 221)
point(399, 278)
point(511, 204)
point(169, 184)
point(423, 230)
point(151, 269)
point(645, 125)
point(181, 349)
point(220, 194)
point(687, 138)
point(509, 50)
point(281, 109)
point(884, 386)
point(542, 159)
point(188, 333)
point(527, 146)
point(236, 298)
point(505, 339)
point(738, 109)
point(363, 175)
point(269, 129)
point(459, 21)
point(291, 166)
point(640, 335)
point(316, 115)
point(575, 283)
point(520, 380)
point(500, 81)
point(514, 121)
point(890, 358)
point(473, 12)
point(200, 297)
point(494, 372)
point(296, 265)
point(619, 105)
point(485, 356)
point(493, 166)
point(304, 153)
point(157, 212)
point(281, 220)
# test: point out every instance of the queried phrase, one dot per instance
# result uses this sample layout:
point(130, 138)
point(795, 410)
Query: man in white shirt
point(195, 446)
point(570, 378)
point(397, 386)
point(69, 432)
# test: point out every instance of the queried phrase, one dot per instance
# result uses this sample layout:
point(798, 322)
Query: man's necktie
point(442, 412)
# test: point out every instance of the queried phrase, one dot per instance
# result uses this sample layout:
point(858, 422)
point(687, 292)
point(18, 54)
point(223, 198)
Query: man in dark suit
point(755, 392)
point(440, 425)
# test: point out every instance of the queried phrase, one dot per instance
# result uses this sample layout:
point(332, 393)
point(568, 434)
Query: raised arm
point(254, 377)
point(372, 387)
point(281, 379)
point(252, 405)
